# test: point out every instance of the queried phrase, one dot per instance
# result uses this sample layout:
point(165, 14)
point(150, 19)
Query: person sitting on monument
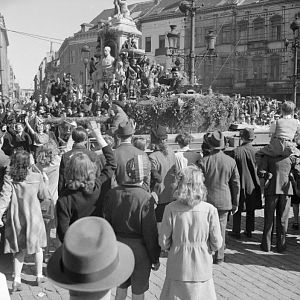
point(133, 75)
point(93, 66)
point(117, 115)
point(175, 81)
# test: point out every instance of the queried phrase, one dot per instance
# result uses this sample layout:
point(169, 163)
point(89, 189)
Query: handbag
point(47, 207)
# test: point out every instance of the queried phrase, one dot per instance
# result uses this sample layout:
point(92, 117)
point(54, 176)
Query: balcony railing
point(257, 82)
point(254, 44)
point(169, 51)
point(161, 51)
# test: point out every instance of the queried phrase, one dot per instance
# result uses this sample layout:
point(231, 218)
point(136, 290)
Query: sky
point(57, 19)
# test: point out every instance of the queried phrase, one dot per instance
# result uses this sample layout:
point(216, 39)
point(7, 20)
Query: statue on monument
point(121, 9)
point(107, 63)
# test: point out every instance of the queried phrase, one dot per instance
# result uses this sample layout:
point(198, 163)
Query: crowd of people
point(143, 205)
point(255, 110)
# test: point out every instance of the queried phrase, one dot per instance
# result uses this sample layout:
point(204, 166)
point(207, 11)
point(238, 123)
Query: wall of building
point(70, 57)
point(251, 54)
point(153, 30)
point(252, 57)
point(4, 63)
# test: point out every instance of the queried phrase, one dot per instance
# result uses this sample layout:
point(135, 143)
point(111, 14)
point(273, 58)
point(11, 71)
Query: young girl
point(24, 229)
point(190, 231)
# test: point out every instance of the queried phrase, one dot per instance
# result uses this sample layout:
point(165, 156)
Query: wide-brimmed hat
point(160, 132)
point(125, 129)
point(215, 140)
point(90, 258)
point(247, 134)
point(138, 168)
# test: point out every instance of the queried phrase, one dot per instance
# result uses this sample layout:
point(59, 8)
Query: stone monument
point(117, 40)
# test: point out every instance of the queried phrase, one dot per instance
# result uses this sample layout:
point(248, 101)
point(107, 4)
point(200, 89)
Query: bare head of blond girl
point(191, 189)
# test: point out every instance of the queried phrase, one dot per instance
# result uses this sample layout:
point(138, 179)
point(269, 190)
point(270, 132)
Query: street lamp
point(189, 8)
point(173, 40)
point(85, 55)
point(211, 42)
point(295, 26)
point(173, 37)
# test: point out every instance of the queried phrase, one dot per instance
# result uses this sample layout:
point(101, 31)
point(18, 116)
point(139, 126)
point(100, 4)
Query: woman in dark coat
point(250, 195)
point(81, 197)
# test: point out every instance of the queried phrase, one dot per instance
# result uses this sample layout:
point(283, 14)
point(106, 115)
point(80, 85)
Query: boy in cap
point(129, 208)
point(125, 151)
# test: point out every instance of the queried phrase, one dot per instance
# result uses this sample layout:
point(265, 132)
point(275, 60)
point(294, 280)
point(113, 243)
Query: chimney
point(83, 27)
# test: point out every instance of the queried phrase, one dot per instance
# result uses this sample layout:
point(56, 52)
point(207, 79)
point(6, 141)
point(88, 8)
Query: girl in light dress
point(190, 232)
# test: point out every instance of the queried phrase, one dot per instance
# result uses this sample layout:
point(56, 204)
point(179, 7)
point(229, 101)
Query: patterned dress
point(24, 228)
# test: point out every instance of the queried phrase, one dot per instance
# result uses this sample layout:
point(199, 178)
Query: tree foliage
point(193, 113)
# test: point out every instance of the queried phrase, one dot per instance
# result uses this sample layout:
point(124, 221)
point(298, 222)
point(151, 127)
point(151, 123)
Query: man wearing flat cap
point(176, 81)
point(125, 151)
point(129, 209)
point(222, 181)
point(250, 196)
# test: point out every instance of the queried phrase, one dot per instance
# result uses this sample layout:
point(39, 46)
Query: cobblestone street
point(248, 273)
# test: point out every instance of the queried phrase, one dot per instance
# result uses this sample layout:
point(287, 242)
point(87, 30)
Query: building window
point(226, 34)
point(242, 31)
point(72, 57)
point(274, 68)
point(259, 28)
point(242, 67)
point(276, 28)
point(258, 67)
point(148, 44)
point(161, 41)
point(198, 37)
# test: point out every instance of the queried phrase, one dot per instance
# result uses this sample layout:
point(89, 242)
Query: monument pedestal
point(121, 35)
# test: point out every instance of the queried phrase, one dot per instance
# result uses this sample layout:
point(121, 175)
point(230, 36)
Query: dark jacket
point(222, 180)
point(130, 211)
point(73, 205)
point(280, 167)
point(67, 156)
point(250, 195)
point(123, 153)
point(22, 142)
point(7, 146)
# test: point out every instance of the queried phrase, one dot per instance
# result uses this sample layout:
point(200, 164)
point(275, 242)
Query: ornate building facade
point(252, 56)
point(70, 55)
